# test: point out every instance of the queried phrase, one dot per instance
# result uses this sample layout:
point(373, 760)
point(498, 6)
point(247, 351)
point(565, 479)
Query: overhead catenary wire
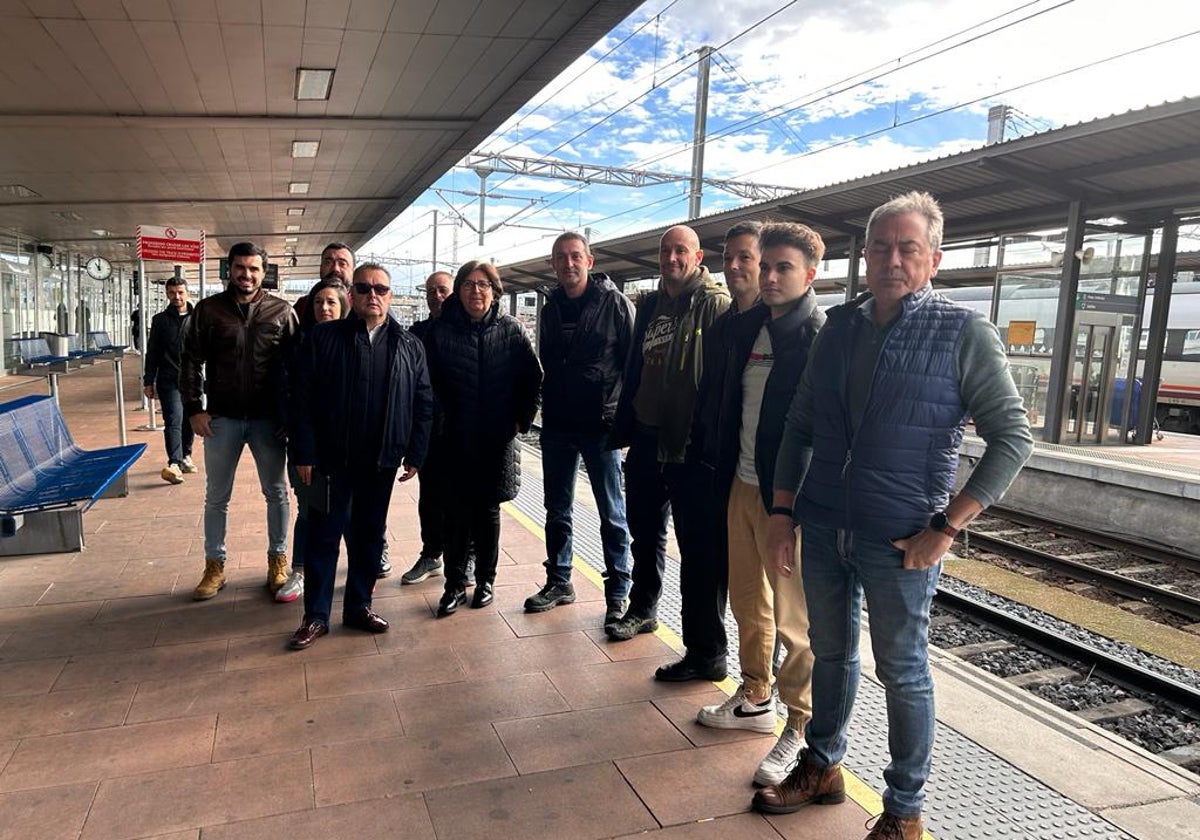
point(776, 112)
point(848, 83)
point(766, 115)
point(545, 101)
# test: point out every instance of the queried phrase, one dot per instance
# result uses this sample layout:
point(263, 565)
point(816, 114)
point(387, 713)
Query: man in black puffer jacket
point(361, 408)
point(585, 330)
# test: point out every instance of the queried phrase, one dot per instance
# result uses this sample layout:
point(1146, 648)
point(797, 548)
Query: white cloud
point(855, 77)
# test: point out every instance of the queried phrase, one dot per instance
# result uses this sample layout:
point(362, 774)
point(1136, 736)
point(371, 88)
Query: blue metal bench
point(100, 341)
point(81, 354)
point(47, 481)
point(35, 352)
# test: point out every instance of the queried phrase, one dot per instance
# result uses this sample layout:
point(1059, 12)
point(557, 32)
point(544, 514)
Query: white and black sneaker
point(739, 713)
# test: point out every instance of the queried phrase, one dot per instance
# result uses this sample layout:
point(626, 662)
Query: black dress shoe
point(484, 595)
point(690, 668)
point(308, 633)
point(367, 620)
point(451, 600)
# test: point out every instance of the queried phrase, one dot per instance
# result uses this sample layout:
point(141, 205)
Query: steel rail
point(1176, 602)
point(1109, 665)
point(1139, 549)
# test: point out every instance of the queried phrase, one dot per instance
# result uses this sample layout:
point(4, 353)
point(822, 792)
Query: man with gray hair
point(867, 467)
point(370, 362)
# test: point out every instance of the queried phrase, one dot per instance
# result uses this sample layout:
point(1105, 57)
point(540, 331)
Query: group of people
point(807, 459)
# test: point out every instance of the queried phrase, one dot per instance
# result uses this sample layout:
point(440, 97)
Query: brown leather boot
point(277, 571)
point(212, 582)
point(891, 827)
point(807, 784)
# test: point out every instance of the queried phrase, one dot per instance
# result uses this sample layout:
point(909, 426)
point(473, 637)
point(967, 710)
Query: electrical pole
point(699, 132)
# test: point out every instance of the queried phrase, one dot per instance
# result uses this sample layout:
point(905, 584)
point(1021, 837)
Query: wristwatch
point(939, 522)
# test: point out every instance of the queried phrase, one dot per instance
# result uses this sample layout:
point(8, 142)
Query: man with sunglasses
point(360, 408)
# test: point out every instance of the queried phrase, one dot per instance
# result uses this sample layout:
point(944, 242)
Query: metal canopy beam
point(614, 175)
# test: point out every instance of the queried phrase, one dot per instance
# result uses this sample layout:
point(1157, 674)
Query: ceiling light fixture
point(313, 83)
point(295, 211)
point(298, 187)
point(292, 228)
point(19, 190)
point(291, 239)
point(305, 148)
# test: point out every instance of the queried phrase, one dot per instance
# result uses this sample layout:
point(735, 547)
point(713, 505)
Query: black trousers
point(358, 508)
point(472, 524)
point(433, 505)
point(686, 492)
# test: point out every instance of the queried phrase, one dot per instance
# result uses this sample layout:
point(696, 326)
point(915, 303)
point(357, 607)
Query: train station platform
point(1151, 493)
point(127, 710)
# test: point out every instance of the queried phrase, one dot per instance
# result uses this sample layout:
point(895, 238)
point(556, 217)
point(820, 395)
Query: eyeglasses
point(379, 289)
point(477, 285)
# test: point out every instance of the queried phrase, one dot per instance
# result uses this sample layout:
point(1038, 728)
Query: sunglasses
point(379, 289)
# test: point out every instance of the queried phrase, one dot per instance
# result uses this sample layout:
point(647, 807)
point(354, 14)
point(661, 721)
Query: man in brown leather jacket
point(240, 338)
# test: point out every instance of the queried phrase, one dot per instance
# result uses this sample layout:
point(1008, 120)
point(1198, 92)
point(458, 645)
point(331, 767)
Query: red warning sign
point(170, 244)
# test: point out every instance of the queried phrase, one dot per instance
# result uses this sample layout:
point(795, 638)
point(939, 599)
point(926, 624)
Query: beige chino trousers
point(765, 604)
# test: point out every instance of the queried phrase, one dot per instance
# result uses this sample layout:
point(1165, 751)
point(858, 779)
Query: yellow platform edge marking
point(857, 790)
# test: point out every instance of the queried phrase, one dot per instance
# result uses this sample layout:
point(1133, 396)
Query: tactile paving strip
point(971, 794)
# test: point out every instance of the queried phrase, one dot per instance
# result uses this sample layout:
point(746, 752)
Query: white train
point(1179, 391)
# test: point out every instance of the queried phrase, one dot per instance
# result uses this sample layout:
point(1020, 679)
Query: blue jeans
point(839, 567)
point(177, 430)
point(222, 452)
point(561, 452)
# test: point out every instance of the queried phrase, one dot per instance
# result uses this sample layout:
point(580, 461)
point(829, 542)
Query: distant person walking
point(160, 380)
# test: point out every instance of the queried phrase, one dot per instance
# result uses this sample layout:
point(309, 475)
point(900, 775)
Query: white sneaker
point(188, 465)
point(739, 713)
point(172, 474)
point(774, 768)
point(292, 588)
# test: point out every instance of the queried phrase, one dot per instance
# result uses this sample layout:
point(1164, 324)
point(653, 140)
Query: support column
point(1063, 358)
point(1164, 282)
point(852, 268)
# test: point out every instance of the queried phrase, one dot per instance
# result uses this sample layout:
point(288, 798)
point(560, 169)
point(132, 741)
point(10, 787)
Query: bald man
point(654, 418)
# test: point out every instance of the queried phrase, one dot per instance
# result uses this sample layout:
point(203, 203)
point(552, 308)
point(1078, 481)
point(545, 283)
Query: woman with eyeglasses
point(486, 377)
point(326, 301)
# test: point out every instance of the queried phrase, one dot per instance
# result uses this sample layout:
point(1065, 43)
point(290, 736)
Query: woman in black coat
point(485, 376)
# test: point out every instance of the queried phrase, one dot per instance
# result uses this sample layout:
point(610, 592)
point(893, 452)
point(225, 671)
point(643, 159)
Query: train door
point(1094, 406)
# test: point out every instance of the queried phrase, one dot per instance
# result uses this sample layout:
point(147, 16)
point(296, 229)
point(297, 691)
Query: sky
point(801, 94)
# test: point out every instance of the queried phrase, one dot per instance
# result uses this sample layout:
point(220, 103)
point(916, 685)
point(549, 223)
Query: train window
point(1191, 346)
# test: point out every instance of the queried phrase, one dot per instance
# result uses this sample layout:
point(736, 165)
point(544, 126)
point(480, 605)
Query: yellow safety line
point(859, 791)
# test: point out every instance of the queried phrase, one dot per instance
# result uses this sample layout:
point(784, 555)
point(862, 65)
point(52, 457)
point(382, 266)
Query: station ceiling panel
point(184, 112)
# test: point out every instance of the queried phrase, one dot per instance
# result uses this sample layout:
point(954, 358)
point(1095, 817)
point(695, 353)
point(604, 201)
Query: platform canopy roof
point(1138, 167)
point(183, 113)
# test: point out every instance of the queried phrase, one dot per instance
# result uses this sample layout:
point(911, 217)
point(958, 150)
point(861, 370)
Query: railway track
point(1165, 579)
point(1109, 688)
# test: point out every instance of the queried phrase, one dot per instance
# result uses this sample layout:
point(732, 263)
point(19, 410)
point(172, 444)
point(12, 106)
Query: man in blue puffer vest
point(892, 379)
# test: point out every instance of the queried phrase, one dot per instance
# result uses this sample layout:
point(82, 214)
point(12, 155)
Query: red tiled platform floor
point(129, 710)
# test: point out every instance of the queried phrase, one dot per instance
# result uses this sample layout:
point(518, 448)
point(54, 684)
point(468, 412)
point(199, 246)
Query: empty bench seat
point(47, 480)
